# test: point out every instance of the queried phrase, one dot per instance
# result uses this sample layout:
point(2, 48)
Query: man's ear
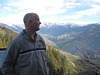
point(29, 22)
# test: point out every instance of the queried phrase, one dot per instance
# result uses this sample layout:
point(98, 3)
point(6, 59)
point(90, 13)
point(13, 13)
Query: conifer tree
point(1, 44)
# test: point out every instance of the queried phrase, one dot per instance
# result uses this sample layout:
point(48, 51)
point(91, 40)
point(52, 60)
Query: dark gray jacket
point(25, 56)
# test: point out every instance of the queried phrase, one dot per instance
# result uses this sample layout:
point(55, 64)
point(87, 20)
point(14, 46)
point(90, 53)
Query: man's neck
point(30, 33)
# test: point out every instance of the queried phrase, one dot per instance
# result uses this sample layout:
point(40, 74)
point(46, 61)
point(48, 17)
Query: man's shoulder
point(17, 38)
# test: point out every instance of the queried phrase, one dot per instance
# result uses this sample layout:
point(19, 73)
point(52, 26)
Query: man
point(26, 53)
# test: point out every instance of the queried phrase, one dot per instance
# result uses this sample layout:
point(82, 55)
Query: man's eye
point(38, 20)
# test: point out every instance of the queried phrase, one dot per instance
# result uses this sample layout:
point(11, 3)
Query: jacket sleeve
point(9, 59)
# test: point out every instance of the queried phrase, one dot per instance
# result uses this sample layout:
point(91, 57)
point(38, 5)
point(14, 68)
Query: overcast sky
point(74, 11)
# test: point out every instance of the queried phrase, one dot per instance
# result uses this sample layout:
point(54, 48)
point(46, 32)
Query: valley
point(80, 44)
point(69, 37)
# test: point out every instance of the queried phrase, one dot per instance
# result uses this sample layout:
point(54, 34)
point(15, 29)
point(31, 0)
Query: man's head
point(31, 21)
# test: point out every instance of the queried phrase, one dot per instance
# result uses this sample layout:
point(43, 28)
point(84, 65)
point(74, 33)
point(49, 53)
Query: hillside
point(86, 38)
point(62, 63)
point(89, 42)
point(14, 28)
point(6, 36)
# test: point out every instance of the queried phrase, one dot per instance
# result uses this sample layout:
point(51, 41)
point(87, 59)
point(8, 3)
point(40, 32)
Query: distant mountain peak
point(50, 24)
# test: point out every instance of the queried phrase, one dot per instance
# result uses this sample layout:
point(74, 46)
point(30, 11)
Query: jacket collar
point(26, 36)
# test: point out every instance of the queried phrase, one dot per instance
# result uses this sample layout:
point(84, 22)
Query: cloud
point(8, 8)
point(44, 7)
point(71, 4)
point(51, 10)
point(0, 4)
point(12, 18)
point(98, 1)
point(92, 12)
point(89, 2)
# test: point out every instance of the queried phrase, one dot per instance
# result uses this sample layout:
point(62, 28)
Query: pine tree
point(1, 44)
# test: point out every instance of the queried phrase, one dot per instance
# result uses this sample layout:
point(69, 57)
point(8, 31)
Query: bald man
point(26, 53)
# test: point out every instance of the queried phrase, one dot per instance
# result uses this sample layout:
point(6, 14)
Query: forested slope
point(62, 63)
point(6, 36)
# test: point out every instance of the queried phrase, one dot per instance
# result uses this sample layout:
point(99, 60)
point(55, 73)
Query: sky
point(56, 11)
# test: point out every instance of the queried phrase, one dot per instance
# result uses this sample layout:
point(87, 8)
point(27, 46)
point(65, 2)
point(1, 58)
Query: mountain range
point(74, 38)
point(55, 56)
point(70, 37)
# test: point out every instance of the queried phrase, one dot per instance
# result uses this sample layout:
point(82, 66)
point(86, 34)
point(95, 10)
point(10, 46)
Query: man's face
point(35, 23)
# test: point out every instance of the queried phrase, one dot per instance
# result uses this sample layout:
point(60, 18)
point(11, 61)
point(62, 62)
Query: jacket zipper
point(35, 56)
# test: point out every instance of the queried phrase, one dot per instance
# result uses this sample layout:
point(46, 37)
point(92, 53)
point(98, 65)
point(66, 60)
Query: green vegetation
point(60, 64)
point(6, 36)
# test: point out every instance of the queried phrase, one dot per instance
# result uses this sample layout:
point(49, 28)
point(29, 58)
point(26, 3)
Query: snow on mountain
point(47, 25)
point(50, 25)
point(16, 25)
point(17, 28)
